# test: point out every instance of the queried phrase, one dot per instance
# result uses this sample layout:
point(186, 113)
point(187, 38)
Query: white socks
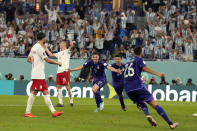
point(49, 103)
point(59, 95)
point(70, 96)
point(30, 102)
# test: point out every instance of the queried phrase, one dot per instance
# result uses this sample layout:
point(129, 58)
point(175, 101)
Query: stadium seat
point(70, 7)
point(62, 7)
point(108, 7)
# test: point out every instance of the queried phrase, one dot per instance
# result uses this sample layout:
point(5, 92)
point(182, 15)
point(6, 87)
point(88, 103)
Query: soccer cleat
point(97, 110)
point(174, 125)
point(29, 115)
point(124, 109)
point(194, 114)
point(72, 104)
point(101, 105)
point(59, 105)
point(56, 114)
point(151, 121)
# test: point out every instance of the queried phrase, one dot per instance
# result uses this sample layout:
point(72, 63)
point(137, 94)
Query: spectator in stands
point(21, 77)
point(179, 81)
point(9, 76)
point(52, 13)
point(50, 78)
point(153, 81)
point(189, 82)
point(130, 19)
point(174, 83)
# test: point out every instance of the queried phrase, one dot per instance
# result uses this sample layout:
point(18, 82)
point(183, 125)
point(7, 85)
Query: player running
point(37, 58)
point(63, 76)
point(98, 70)
point(118, 79)
point(137, 91)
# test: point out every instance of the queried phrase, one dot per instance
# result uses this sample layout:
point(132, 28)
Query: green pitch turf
point(82, 117)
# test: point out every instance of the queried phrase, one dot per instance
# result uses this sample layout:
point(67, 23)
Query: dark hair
point(96, 53)
point(21, 77)
point(118, 56)
point(138, 50)
point(40, 36)
point(189, 80)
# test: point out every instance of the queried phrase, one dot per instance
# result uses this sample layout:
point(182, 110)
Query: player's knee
point(153, 103)
point(59, 86)
point(94, 90)
point(68, 87)
point(34, 93)
point(45, 92)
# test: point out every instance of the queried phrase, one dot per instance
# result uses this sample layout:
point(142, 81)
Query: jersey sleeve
point(141, 63)
point(88, 63)
point(104, 64)
point(56, 55)
point(42, 54)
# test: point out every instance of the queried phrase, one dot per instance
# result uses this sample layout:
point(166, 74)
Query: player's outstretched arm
point(113, 69)
point(52, 61)
point(48, 52)
point(71, 44)
point(76, 68)
point(149, 70)
point(29, 59)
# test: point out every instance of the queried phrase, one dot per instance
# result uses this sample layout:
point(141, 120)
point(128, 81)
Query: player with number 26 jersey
point(137, 91)
point(132, 74)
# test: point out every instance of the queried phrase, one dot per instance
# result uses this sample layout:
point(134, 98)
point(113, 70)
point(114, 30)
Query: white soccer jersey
point(64, 58)
point(38, 55)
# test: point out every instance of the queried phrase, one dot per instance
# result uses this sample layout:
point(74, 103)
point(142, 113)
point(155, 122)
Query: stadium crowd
point(169, 32)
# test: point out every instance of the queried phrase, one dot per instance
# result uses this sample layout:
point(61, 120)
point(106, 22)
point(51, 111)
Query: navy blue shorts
point(140, 96)
point(118, 90)
point(100, 83)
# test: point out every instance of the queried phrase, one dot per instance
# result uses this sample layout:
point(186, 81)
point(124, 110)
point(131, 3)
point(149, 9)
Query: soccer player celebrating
point(63, 76)
point(118, 79)
point(98, 70)
point(137, 91)
point(37, 58)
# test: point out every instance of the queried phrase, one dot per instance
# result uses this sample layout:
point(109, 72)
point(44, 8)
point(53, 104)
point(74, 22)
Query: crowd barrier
point(84, 90)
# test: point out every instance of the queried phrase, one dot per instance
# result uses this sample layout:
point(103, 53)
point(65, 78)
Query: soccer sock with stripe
point(144, 108)
point(49, 103)
point(30, 102)
point(162, 113)
point(70, 96)
point(60, 96)
point(122, 102)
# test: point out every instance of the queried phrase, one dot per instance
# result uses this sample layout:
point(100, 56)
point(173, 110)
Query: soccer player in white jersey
point(37, 58)
point(63, 76)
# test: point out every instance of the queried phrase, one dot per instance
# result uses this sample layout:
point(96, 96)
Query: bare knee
point(153, 104)
point(45, 92)
point(35, 92)
point(59, 86)
point(94, 90)
point(68, 87)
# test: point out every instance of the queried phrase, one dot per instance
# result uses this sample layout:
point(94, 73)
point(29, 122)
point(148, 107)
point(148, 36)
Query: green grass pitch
point(82, 117)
